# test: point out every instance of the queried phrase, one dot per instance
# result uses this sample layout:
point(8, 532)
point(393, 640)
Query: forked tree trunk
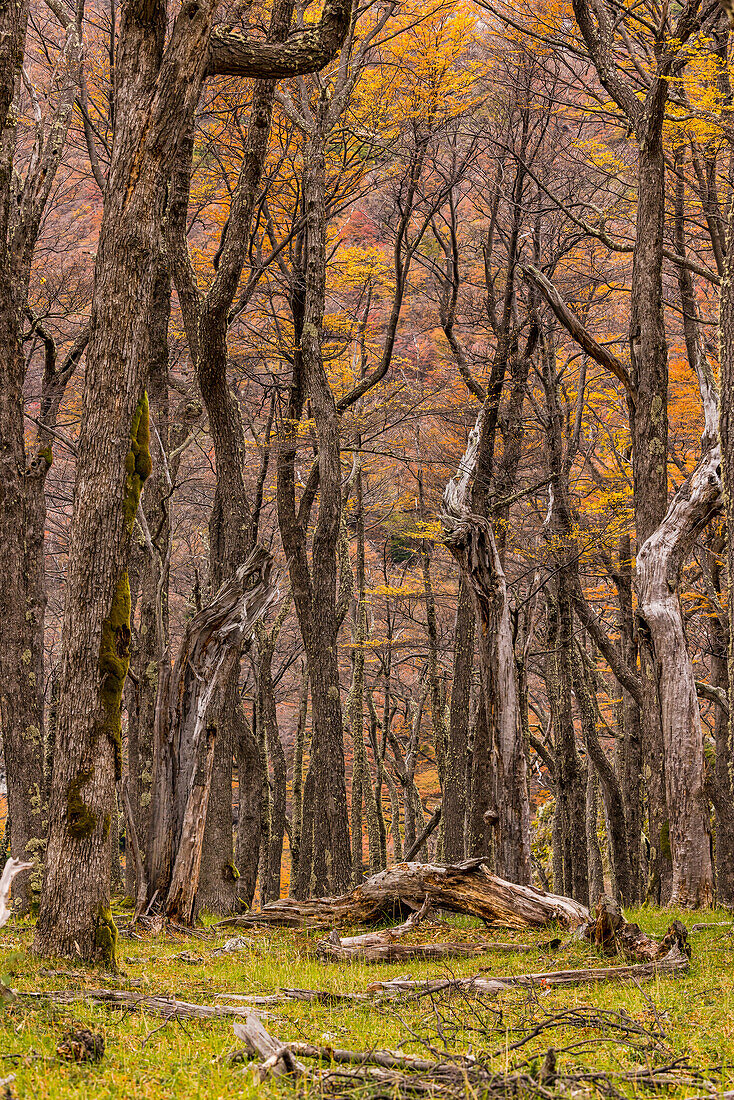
point(471, 540)
point(210, 644)
point(659, 564)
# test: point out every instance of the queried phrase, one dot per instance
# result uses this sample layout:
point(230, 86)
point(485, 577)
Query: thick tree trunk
point(659, 564)
point(150, 641)
point(596, 870)
point(481, 814)
point(315, 588)
point(725, 744)
point(113, 461)
point(629, 754)
point(297, 784)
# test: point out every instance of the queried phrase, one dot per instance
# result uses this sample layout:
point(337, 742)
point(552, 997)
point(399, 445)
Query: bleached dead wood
point(169, 1007)
point(12, 868)
point(674, 962)
point(471, 540)
point(609, 931)
point(211, 643)
point(278, 1059)
point(383, 947)
point(320, 996)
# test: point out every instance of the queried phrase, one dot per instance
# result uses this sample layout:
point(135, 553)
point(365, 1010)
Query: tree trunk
point(471, 540)
point(455, 803)
point(612, 791)
point(315, 588)
point(596, 871)
point(113, 461)
point(726, 429)
point(250, 786)
point(150, 641)
point(659, 563)
point(297, 785)
point(482, 814)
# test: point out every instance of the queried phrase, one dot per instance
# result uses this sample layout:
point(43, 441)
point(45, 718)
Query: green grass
point(147, 1057)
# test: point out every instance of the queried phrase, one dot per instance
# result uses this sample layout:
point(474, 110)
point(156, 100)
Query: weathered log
point(610, 932)
point(674, 962)
point(319, 996)
point(330, 951)
point(277, 1058)
point(383, 946)
point(467, 887)
point(169, 1007)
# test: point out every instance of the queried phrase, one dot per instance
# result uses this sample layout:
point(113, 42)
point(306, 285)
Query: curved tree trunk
point(659, 563)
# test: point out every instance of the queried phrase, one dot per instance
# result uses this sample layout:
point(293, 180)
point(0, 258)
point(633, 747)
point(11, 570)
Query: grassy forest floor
point(686, 1022)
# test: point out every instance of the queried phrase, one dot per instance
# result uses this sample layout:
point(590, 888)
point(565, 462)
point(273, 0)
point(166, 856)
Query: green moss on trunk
point(80, 819)
point(138, 463)
point(114, 661)
point(105, 940)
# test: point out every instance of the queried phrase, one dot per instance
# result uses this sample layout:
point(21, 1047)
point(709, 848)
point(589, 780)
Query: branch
point(232, 53)
point(577, 329)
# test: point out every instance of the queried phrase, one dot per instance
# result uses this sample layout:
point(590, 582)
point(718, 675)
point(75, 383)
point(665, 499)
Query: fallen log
point(675, 961)
point(168, 1007)
point(278, 1059)
point(386, 1059)
point(320, 996)
point(380, 947)
point(467, 887)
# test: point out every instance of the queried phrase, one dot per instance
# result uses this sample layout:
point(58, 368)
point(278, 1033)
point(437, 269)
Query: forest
point(366, 535)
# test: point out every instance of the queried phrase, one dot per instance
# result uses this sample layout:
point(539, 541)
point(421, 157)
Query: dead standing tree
point(471, 540)
point(181, 779)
